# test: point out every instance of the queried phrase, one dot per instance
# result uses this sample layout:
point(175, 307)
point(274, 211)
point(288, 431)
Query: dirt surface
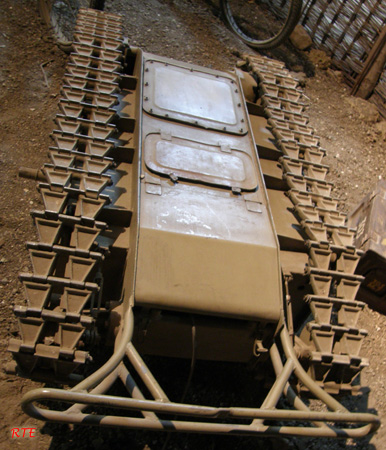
point(31, 69)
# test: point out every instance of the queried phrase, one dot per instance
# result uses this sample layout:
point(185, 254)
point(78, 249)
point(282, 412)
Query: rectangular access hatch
point(196, 161)
point(188, 95)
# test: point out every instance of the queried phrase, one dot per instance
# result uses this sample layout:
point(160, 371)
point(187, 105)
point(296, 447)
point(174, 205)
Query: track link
point(64, 292)
point(332, 334)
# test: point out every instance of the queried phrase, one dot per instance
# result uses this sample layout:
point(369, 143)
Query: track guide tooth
point(320, 257)
point(42, 262)
point(53, 201)
point(37, 295)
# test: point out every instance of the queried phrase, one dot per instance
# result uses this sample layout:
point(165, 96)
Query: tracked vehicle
point(181, 220)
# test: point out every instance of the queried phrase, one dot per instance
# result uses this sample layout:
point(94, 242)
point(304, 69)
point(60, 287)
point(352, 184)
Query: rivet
point(146, 99)
point(241, 130)
point(225, 128)
point(239, 104)
point(146, 84)
point(146, 70)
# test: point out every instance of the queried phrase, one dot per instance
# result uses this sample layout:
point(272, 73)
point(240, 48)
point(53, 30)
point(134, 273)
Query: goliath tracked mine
point(163, 225)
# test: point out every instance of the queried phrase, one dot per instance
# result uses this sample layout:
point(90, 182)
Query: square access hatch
point(189, 95)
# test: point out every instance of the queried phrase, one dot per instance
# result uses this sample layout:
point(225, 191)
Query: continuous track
point(332, 333)
point(64, 292)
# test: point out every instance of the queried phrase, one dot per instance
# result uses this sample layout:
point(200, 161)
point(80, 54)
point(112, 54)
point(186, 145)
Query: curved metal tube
point(195, 411)
point(147, 377)
point(103, 378)
point(119, 353)
point(289, 393)
point(305, 378)
point(101, 388)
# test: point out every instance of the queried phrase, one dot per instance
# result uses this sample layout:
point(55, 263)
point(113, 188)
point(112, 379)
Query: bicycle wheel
point(97, 4)
point(262, 24)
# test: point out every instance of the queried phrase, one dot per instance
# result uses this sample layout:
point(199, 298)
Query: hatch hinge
point(152, 185)
point(253, 203)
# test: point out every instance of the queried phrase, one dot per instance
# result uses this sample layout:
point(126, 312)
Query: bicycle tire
point(97, 4)
point(246, 34)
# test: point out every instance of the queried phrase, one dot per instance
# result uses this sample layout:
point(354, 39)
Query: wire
point(191, 372)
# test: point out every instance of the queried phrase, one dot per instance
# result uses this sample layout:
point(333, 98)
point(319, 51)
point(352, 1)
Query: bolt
point(242, 120)
point(241, 130)
point(146, 70)
point(146, 99)
point(239, 104)
point(150, 110)
point(166, 115)
point(146, 84)
point(225, 128)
